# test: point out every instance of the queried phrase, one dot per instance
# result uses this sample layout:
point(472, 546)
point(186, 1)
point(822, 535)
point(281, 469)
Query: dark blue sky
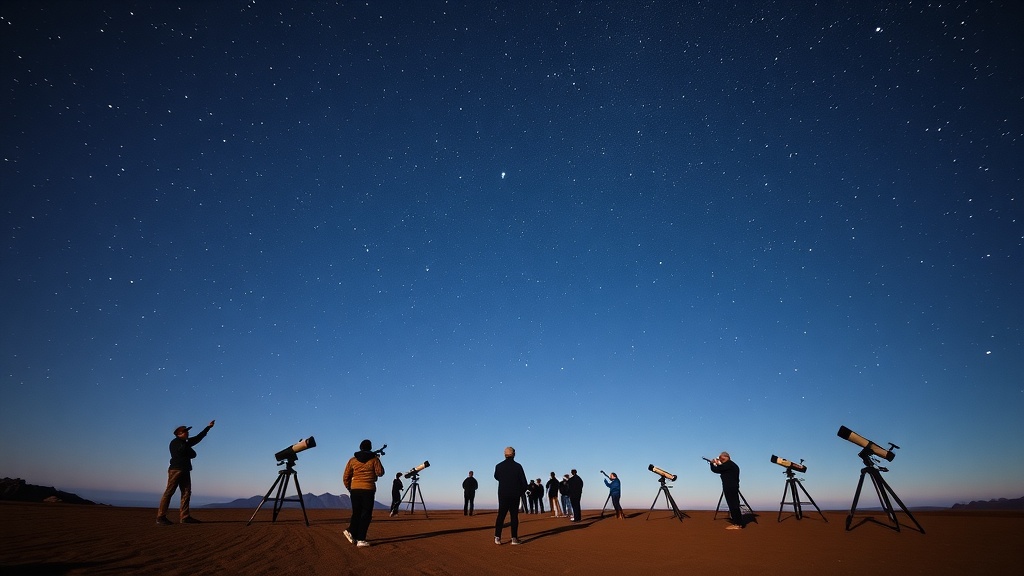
point(606, 234)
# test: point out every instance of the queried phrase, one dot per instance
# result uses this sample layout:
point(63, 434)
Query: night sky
point(609, 234)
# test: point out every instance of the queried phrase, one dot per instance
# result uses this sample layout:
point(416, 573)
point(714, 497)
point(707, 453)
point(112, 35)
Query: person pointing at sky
point(179, 474)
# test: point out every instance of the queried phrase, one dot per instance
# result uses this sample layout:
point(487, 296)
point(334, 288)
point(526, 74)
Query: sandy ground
point(42, 538)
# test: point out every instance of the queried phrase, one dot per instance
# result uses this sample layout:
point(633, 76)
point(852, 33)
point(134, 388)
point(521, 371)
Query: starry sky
point(607, 234)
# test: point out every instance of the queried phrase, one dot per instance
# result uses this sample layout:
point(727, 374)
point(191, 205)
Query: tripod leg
point(606, 500)
point(856, 497)
point(423, 504)
point(797, 509)
point(813, 503)
point(883, 498)
point(719, 507)
point(885, 486)
point(301, 502)
point(653, 504)
point(402, 501)
point(745, 503)
point(265, 498)
point(672, 501)
point(282, 489)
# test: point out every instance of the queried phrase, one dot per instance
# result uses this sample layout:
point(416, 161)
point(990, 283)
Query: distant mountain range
point(325, 501)
point(998, 504)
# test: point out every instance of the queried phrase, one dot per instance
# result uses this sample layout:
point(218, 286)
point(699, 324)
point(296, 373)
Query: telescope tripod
point(413, 490)
point(663, 489)
point(283, 477)
point(792, 482)
point(743, 499)
point(883, 490)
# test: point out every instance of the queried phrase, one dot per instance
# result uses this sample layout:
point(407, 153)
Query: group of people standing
point(364, 468)
point(564, 495)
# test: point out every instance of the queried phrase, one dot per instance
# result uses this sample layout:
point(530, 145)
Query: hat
point(365, 445)
point(181, 429)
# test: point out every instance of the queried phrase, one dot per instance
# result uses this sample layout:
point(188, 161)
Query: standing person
point(396, 493)
point(531, 495)
point(179, 474)
point(563, 488)
point(469, 488)
point(552, 487)
point(360, 478)
point(511, 486)
point(540, 496)
point(575, 484)
point(730, 473)
point(615, 491)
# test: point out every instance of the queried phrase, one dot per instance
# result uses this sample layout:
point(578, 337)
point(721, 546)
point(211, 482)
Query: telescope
point(415, 471)
point(788, 464)
point(868, 446)
point(290, 453)
point(662, 473)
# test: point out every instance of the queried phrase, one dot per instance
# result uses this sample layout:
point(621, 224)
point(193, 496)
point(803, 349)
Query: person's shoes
point(363, 544)
point(348, 536)
point(497, 541)
point(163, 521)
point(190, 520)
point(734, 527)
point(516, 542)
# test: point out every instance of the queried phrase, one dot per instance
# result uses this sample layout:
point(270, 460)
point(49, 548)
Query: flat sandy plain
point(47, 538)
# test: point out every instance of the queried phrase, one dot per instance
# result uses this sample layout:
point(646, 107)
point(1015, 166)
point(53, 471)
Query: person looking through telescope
point(360, 478)
point(615, 491)
point(730, 474)
point(179, 474)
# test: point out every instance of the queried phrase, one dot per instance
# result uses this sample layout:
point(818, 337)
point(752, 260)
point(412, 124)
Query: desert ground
point(54, 538)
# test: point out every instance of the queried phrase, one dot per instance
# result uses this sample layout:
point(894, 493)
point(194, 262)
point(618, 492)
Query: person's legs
point(366, 514)
point(165, 499)
point(576, 515)
point(732, 498)
point(514, 521)
point(358, 525)
point(504, 507)
point(615, 504)
point(185, 486)
point(472, 497)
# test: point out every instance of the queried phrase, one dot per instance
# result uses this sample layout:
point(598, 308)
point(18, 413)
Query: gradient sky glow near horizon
point(608, 235)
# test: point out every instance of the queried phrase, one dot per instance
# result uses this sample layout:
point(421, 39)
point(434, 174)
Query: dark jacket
point(729, 471)
point(511, 479)
point(575, 486)
point(470, 484)
point(552, 487)
point(182, 452)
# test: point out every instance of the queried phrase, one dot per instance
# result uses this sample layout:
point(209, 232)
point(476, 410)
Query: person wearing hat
point(179, 474)
point(360, 478)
